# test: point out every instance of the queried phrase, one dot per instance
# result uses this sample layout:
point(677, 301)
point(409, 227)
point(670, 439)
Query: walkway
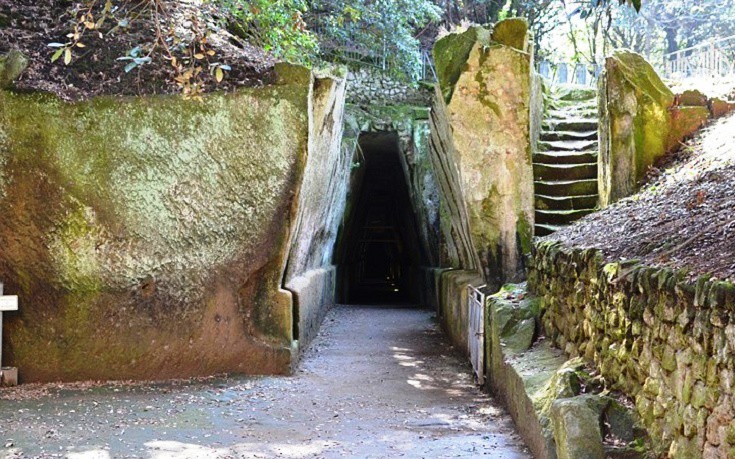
point(376, 383)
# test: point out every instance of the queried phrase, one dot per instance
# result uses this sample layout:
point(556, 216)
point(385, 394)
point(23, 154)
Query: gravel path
point(377, 382)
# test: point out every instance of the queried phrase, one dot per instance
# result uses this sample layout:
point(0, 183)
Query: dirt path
point(376, 383)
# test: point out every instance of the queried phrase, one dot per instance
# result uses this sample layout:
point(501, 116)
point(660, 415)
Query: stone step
point(554, 135)
point(570, 124)
point(564, 105)
point(544, 202)
point(581, 112)
point(565, 157)
point(545, 230)
point(566, 187)
point(567, 145)
point(565, 171)
point(574, 92)
point(560, 217)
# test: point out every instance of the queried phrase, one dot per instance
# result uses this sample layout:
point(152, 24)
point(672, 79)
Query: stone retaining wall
point(665, 341)
point(370, 86)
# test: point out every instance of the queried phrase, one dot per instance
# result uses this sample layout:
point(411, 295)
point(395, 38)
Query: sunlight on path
point(376, 383)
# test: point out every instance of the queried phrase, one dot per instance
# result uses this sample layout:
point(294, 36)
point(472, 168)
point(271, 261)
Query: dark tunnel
point(379, 253)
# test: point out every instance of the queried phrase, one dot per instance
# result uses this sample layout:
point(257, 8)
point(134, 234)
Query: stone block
point(9, 376)
point(685, 121)
point(692, 98)
point(576, 424)
point(719, 108)
point(634, 122)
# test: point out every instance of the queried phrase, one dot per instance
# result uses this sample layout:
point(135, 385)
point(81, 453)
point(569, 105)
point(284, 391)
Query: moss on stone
point(140, 223)
point(685, 121)
point(692, 98)
point(12, 66)
point(512, 32)
point(450, 57)
point(635, 123)
point(577, 429)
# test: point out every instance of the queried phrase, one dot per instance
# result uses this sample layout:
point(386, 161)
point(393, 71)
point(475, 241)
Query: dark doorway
point(380, 249)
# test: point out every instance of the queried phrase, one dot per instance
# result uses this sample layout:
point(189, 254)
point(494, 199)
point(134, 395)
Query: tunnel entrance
point(380, 251)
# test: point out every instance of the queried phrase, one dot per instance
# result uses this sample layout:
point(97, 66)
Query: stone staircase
point(565, 163)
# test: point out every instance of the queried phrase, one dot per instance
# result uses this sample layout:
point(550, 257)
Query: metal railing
point(715, 58)
point(570, 73)
point(476, 329)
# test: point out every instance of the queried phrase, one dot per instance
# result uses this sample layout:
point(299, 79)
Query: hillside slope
point(683, 218)
point(96, 68)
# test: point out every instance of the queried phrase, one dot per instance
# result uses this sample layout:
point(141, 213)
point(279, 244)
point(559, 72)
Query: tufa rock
point(11, 67)
point(685, 121)
point(512, 32)
point(692, 98)
point(577, 429)
point(635, 123)
point(719, 108)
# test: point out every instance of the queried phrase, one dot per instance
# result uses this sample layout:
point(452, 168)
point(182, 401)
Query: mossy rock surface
point(577, 430)
point(512, 32)
point(635, 123)
point(516, 319)
point(146, 237)
point(720, 107)
point(450, 57)
point(692, 98)
point(685, 121)
point(12, 66)
point(640, 74)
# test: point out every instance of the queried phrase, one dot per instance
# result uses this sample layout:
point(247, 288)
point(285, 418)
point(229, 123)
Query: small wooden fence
point(713, 59)
point(570, 73)
point(476, 338)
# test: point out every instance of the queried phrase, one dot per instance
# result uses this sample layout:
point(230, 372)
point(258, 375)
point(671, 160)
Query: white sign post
point(8, 375)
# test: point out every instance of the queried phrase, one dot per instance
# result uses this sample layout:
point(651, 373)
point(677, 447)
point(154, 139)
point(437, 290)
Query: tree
point(379, 32)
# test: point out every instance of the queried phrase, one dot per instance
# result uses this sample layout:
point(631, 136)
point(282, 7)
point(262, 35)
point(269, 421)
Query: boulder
point(516, 319)
point(719, 107)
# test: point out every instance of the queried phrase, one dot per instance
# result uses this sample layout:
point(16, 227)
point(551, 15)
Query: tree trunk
point(671, 43)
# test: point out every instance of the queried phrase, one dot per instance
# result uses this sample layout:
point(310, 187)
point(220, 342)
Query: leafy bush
point(274, 25)
point(380, 32)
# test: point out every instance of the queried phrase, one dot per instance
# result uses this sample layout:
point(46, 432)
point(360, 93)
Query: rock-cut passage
point(565, 165)
point(379, 252)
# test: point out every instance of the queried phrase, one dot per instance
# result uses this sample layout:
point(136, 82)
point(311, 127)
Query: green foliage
point(379, 32)
point(274, 25)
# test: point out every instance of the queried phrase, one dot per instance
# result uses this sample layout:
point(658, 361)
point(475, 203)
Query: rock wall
point(483, 125)
point(641, 120)
point(664, 341)
point(310, 273)
point(558, 406)
point(370, 86)
point(148, 237)
point(634, 123)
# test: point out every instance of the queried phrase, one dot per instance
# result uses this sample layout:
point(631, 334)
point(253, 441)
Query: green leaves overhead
point(383, 33)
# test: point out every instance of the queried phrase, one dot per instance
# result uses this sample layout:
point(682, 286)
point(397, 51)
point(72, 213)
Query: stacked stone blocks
point(666, 341)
